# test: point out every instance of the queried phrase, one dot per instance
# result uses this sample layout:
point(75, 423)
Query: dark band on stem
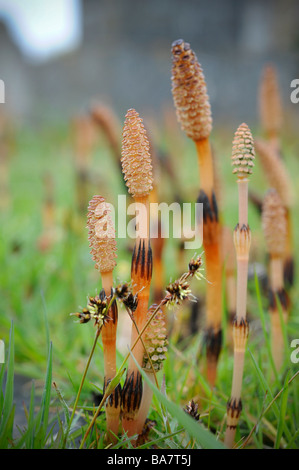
point(114, 399)
point(142, 260)
point(232, 316)
point(213, 343)
point(210, 208)
point(240, 332)
point(289, 271)
point(282, 296)
point(132, 392)
point(234, 408)
point(242, 323)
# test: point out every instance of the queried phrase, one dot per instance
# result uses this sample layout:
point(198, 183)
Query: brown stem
point(289, 253)
point(147, 395)
point(277, 340)
point(206, 168)
point(109, 348)
point(213, 308)
point(276, 273)
point(141, 273)
point(277, 289)
point(212, 249)
point(274, 141)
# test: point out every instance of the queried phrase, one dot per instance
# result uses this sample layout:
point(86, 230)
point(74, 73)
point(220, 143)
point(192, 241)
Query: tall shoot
point(275, 230)
point(137, 170)
point(278, 178)
point(194, 114)
point(242, 161)
point(101, 235)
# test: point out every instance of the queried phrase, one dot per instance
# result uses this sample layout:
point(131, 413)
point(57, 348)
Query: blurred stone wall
point(125, 58)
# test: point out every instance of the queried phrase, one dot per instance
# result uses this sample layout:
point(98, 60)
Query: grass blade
point(43, 416)
point(9, 391)
point(283, 410)
point(267, 389)
point(263, 323)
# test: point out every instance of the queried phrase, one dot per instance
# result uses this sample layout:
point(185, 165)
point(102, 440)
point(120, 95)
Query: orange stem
point(206, 167)
point(109, 348)
point(212, 248)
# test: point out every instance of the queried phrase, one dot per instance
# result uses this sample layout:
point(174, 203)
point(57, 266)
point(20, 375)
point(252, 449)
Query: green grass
point(40, 289)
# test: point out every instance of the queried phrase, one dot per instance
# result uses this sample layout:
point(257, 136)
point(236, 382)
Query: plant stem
point(240, 325)
point(206, 168)
point(109, 349)
point(212, 249)
point(147, 396)
point(277, 288)
point(141, 273)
